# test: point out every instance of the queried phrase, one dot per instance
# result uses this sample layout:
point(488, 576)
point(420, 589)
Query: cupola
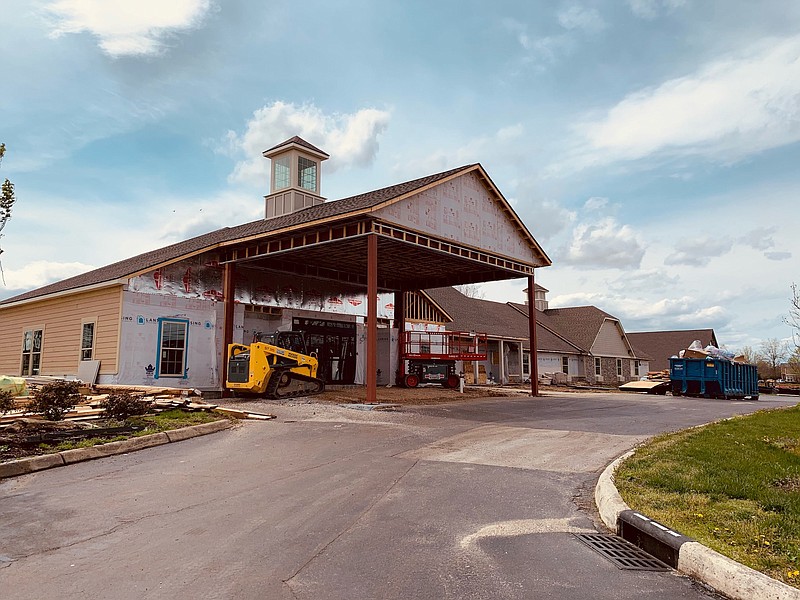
point(295, 177)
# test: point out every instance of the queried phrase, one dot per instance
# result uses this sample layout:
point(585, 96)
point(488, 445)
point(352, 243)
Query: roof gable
point(466, 208)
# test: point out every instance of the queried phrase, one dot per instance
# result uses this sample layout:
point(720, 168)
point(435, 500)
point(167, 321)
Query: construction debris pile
point(90, 407)
point(696, 350)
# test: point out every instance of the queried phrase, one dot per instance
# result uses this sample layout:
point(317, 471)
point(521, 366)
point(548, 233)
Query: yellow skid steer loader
point(277, 369)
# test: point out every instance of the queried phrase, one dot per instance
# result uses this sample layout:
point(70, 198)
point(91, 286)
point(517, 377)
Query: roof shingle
point(173, 252)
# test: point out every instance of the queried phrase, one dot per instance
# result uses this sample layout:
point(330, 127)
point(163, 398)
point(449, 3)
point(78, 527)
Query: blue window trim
point(161, 321)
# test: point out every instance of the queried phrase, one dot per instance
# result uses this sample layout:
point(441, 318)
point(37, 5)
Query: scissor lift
point(430, 356)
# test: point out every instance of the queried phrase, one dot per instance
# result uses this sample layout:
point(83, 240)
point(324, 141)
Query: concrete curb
point(694, 559)
point(23, 466)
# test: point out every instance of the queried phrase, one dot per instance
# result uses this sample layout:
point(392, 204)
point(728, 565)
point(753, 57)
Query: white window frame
point(637, 365)
point(565, 365)
point(303, 168)
point(282, 172)
point(30, 353)
point(160, 358)
point(619, 367)
point(82, 356)
point(598, 367)
point(526, 363)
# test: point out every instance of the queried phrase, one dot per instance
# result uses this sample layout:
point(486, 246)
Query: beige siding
point(61, 319)
point(609, 341)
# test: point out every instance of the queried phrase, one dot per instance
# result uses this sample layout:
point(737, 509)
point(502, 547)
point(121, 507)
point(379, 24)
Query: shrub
point(54, 400)
point(6, 401)
point(122, 405)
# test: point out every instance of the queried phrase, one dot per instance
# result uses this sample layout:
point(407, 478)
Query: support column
point(502, 362)
point(400, 324)
point(532, 336)
point(372, 318)
point(229, 292)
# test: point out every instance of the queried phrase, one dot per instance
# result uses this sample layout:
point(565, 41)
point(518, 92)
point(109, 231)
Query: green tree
point(7, 197)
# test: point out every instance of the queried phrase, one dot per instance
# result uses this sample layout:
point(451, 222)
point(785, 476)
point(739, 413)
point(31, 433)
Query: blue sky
point(651, 146)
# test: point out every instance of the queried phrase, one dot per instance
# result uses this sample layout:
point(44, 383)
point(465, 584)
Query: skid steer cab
point(276, 368)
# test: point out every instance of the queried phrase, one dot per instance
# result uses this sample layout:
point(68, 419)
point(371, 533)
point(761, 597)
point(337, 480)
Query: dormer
point(295, 177)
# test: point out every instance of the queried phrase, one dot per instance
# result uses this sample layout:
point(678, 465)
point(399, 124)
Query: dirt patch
point(434, 394)
point(16, 438)
point(416, 396)
point(787, 484)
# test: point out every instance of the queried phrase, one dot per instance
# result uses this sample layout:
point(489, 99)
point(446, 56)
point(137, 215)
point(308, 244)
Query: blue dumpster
point(713, 378)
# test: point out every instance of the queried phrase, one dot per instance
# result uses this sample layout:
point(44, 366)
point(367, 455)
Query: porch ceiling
point(407, 260)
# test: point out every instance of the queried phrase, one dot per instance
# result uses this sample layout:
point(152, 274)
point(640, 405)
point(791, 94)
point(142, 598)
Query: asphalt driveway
point(464, 500)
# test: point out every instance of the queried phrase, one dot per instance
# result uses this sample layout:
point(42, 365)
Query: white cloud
point(595, 203)
point(760, 238)
point(579, 17)
point(497, 145)
point(545, 218)
point(641, 314)
point(650, 9)
point(727, 110)
point(184, 218)
point(698, 252)
point(41, 272)
point(604, 244)
point(645, 280)
point(349, 139)
point(127, 27)
point(778, 255)
point(541, 51)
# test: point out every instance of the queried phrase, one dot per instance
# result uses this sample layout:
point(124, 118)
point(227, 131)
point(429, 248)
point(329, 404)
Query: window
point(281, 168)
point(565, 365)
point(172, 337)
point(307, 174)
point(598, 368)
point(619, 367)
point(526, 363)
point(31, 351)
point(87, 340)
point(636, 367)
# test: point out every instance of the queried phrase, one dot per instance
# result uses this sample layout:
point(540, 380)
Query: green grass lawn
point(733, 486)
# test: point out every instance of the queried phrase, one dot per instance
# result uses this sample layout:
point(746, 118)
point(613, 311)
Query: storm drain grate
point(621, 552)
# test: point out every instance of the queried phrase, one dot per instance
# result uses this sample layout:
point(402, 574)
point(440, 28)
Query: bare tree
point(750, 355)
point(471, 290)
point(774, 351)
point(794, 316)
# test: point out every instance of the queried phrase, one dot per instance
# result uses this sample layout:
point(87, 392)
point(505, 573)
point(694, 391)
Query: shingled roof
point(300, 142)
point(580, 325)
point(226, 235)
point(661, 345)
point(497, 319)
